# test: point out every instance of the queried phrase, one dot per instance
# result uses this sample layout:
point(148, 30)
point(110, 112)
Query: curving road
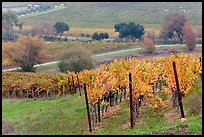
point(98, 55)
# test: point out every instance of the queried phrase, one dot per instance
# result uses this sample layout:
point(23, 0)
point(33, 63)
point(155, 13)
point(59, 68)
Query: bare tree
point(189, 36)
point(173, 24)
point(43, 28)
point(27, 53)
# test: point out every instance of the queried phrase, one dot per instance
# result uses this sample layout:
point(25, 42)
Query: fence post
point(116, 100)
point(73, 83)
point(21, 92)
point(32, 92)
point(99, 118)
point(110, 99)
point(79, 85)
point(69, 85)
point(87, 108)
point(27, 92)
point(62, 86)
point(178, 90)
point(14, 92)
point(131, 109)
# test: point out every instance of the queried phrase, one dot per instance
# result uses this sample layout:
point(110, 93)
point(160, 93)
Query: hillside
point(106, 14)
point(68, 115)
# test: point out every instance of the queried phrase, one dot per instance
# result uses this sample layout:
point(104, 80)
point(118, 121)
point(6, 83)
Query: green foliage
point(9, 36)
point(100, 36)
point(106, 15)
point(61, 27)
point(75, 59)
point(20, 25)
point(119, 26)
point(130, 30)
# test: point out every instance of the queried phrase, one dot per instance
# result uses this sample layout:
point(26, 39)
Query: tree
point(189, 36)
point(9, 19)
point(130, 30)
point(60, 27)
point(6, 27)
point(43, 28)
point(20, 25)
point(172, 26)
point(75, 59)
point(27, 53)
point(119, 26)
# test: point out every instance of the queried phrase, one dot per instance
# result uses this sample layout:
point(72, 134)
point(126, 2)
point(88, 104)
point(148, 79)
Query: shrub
point(75, 59)
point(65, 39)
point(9, 36)
point(148, 45)
point(82, 34)
point(173, 50)
point(100, 36)
point(189, 36)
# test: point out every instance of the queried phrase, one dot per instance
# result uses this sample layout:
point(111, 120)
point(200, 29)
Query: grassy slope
point(68, 116)
point(106, 15)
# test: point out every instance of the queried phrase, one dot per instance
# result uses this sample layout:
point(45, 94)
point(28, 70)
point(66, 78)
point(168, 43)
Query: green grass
point(46, 67)
point(67, 115)
point(106, 15)
point(60, 116)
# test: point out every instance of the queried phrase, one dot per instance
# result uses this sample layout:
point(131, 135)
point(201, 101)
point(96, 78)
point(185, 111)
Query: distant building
point(29, 6)
point(183, 10)
point(33, 6)
point(59, 5)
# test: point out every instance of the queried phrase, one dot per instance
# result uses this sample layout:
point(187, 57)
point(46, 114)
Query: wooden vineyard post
point(32, 91)
point(116, 99)
point(131, 109)
point(153, 89)
point(87, 107)
point(106, 99)
point(103, 100)
point(70, 86)
point(47, 95)
point(178, 91)
point(62, 86)
point(27, 93)
point(79, 85)
point(21, 92)
point(73, 83)
point(110, 99)
point(99, 118)
point(14, 92)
